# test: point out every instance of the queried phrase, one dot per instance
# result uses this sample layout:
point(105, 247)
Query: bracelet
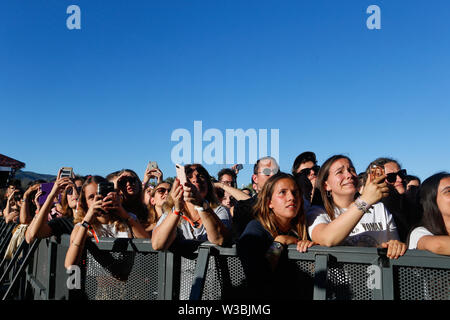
point(85, 224)
point(362, 205)
point(75, 244)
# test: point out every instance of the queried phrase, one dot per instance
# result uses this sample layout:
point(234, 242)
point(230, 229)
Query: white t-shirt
point(374, 227)
point(416, 234)
point(110, 231)
point(186, 231)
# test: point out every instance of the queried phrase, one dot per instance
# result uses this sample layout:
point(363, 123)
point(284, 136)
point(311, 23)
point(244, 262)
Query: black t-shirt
point(405, 210)
point(284, 282)
point(243, 214)
point(61, 225)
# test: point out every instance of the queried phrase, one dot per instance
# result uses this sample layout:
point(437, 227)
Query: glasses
point(123, 181)
point(230, 183)
point(268, 171)
point(307, 171)
point(70, 191)
point(391, 177)
point(162, 190)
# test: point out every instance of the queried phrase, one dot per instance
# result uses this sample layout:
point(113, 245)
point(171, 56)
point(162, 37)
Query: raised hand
point(375, 190)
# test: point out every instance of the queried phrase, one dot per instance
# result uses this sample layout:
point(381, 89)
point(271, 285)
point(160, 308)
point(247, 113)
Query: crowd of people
point(327, 205)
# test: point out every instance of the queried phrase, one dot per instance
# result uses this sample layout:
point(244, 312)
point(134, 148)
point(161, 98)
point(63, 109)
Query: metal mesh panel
point(305, 279)
point(416, 283)
point(347, 281)
point(40, 263)
point(186, 277)
point(213, 289)
point(122, 276)
point(236, 275)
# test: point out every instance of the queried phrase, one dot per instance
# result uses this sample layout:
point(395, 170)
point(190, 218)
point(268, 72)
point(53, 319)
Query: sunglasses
point(123, 181)
point(162, 190)
point(268, 171)
point(70, 191)
point(391, 177)
point(307, 171)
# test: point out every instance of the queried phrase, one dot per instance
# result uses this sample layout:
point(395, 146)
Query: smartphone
point(181, 174)
point(239, 167)
point(46, 188)
point(152, 165)
point(104, 188)
point(66, 172)
point(376, 171)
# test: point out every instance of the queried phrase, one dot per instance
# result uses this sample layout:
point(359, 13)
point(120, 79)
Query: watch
point(277, 245)
point(362, 205)
point(204, 207)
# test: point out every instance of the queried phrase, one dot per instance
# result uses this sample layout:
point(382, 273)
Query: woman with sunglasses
point(349, 219)
point(192, 212)
point(433, 232)
point(402, 204)
point(155, 199)
point(131, 192)
point(44, 225)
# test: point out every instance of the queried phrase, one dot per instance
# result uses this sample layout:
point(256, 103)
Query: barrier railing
point(125, 269)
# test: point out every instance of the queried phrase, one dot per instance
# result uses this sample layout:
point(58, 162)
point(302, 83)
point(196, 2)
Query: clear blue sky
point(109, 96)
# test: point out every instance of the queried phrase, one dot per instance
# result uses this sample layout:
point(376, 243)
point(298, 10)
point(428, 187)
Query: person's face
point(72, 197)
point(285, 201)
point(128, 184)
point(227, 179)
point(160, 196)
point(10, 190)
point(443, 197)
point(199, 181)
point(342, 179)
point(312, 176)
point(412, 183)
point(226, 200)
point(392, 167)
point(90, 191)
point(260, 177)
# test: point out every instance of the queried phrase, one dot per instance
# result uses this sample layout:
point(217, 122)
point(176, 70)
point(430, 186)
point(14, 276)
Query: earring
point(328, 193)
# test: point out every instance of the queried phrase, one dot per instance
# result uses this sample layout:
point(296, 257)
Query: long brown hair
point(266, 216)
point(322, 177)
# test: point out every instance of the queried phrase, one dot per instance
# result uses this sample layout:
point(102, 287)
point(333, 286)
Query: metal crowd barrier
point(125, 269)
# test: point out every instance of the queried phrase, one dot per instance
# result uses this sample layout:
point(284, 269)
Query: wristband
point(85, 224)
point(362, 205)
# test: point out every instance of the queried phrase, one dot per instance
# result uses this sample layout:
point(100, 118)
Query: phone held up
point(66, 172)
point(104, 188)
point(181, 174)
point(152, 165)
point(375, 172)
